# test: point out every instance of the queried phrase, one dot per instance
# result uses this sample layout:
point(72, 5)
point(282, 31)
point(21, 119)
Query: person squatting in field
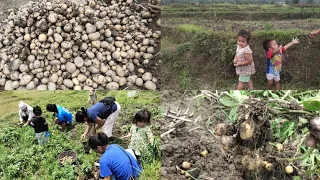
point(140, 133)
point(103, 113)
point(40, 126)
point(62, 116)
point(243, 60)
point(274, 60)
point(115, 163)
point(25, 113)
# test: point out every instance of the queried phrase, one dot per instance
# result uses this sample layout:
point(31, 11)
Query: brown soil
point(185, 145)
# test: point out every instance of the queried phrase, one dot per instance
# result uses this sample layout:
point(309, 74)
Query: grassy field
point(22, 158)
point(198, 47)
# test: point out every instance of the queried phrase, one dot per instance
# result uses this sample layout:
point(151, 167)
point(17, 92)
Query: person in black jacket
point(40, 126)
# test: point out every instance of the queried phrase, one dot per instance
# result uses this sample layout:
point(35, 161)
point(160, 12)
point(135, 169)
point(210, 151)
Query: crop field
point(238, 135)
point(22, 158)
point(199, 44)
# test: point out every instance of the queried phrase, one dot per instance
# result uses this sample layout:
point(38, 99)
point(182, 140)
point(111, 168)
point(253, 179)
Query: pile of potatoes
point(58, 44)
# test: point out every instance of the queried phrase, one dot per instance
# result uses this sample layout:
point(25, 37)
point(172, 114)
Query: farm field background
point(199, 44)
point(22, 158)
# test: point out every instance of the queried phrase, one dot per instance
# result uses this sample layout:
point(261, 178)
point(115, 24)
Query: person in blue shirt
point(115, 163)
point(63, 116)
point(104, 114)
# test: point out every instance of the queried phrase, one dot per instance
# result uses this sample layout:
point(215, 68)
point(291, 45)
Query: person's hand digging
point(83, 136)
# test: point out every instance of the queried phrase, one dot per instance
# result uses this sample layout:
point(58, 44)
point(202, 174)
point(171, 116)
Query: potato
point(289, 169)
point(204, 153)
point(186, 165)
point(268, 166)
point(246, 130)
point(227, 142)
point(279, 147)
point(251, 163)
point(311, 141)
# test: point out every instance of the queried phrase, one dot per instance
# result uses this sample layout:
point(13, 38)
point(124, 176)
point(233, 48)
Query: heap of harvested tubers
point(58, 44)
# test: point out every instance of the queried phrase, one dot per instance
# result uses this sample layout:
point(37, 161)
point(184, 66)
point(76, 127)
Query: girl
point(243, 60)
point(140, 134)
point(115, 162)
point(40, 126)
point(25, 113)
point(63, 116)
point(104, 113)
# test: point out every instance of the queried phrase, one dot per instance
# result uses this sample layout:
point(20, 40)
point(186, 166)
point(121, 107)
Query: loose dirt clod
point(221, 129)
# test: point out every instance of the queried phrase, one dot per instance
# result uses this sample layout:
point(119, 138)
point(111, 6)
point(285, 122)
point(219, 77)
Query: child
point(92, 96)
point(140, 134)
point(40, 126)
point(63, 116)
point(243, 60)
point(274, 59)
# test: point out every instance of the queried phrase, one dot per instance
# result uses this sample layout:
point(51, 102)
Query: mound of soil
point(186, 144)
point(187, 139)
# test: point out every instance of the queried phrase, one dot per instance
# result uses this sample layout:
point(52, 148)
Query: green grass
point(227, 7)
point(240, 12)
point(22, 158)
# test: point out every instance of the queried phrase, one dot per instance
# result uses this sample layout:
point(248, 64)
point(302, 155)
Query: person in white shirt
point(25, 113)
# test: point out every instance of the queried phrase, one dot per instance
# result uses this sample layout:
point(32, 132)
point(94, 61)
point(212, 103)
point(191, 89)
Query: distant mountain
point(235, 1)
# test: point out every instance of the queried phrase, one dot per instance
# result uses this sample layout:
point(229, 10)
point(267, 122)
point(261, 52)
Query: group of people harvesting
point(116, 163)
point(243, 60)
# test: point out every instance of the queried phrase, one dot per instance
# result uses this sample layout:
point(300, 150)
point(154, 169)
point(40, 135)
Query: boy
point(274, 60)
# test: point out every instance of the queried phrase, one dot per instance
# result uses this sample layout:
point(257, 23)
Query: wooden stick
point(191, 113)
point(197, 119)
point(185, 113)
point(177, 115)
point(174, 124)
point(194, 128)
point(168, 132)
point(181, 118)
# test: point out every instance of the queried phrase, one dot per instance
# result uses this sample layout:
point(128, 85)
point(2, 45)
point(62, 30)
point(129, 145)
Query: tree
point(295, 1)
point(310, 1)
